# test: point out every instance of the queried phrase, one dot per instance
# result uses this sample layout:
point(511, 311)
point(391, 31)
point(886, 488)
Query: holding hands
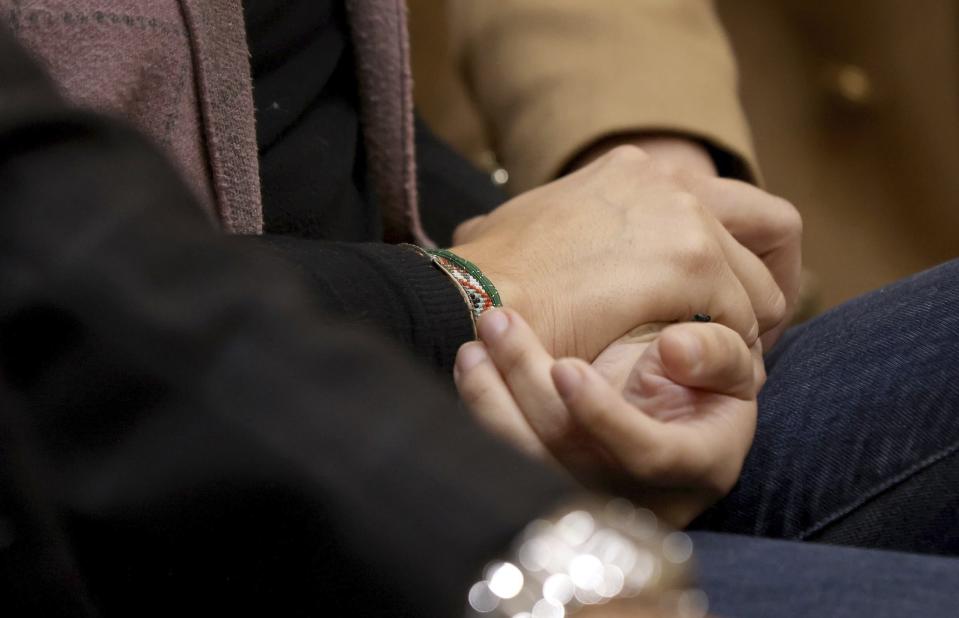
point(637, 240)
point(667, 411)
point(672, 434)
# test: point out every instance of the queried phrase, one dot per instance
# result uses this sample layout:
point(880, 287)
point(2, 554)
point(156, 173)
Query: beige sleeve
point(551, 77)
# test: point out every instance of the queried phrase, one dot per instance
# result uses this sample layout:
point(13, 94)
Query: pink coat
point(179, 70)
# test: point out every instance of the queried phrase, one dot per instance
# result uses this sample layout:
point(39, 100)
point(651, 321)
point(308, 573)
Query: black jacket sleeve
point(387, 288)
point(181, 434)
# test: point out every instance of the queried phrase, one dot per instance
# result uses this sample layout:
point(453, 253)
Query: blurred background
point(854, 108)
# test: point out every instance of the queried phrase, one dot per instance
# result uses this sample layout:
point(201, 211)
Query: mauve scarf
point(179, 70)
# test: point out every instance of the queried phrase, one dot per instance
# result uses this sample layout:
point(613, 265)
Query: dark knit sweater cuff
point(446, 323)
point(389, 288)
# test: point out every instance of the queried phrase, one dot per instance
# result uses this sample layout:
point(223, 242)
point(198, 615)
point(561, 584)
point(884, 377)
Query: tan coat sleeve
point(553, 76)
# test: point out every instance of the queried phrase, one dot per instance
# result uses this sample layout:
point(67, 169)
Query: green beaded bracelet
point(473, 270)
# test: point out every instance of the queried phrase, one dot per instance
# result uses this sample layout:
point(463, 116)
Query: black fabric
point(312, 167)
point(392, 290)
point(181, 434)
point(318, 213)
point(452, 190)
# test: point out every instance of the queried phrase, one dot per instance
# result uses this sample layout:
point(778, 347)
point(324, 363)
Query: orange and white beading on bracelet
point(478, 291)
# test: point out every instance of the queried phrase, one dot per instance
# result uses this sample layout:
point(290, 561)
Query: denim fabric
point(764, 578)
point(859, 426)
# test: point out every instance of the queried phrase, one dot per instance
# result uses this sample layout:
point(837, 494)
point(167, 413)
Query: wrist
point(503, 276)
point(532, 297)
point(542, 301)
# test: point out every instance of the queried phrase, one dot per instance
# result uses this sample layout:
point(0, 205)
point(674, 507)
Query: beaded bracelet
point(478, 291)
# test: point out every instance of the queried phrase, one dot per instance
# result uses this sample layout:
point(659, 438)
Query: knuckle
point(687, 204)
point(777, 307)
point(759, 376)
point(790, 218)
point(697, 252)
point(590, 414)
point(723, 343)
point(553, 427)
point(516, 359)
point(742, 320)
point(772, 311)
point(751, 335)
point(474, 391)
point(627, 155)
point(669, 171)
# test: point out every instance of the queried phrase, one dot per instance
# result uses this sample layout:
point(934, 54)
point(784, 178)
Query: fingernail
point(567, 377)
point(469, 356)
point(493, 324)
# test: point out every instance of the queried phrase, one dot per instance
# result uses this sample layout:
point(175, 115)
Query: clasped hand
point(608, 264)
point(671, 431)
point(630, 240)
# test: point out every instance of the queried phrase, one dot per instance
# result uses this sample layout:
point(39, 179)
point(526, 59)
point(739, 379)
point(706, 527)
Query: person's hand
point(619, 243)
point(674, 440)
point(776, 238)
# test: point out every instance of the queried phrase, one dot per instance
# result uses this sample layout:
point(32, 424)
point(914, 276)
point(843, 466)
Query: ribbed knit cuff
point(389, 288)
point(445, 322)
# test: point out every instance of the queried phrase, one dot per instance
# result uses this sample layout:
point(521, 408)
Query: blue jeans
point(748, 577)
point(858, 434)
point(857, 444)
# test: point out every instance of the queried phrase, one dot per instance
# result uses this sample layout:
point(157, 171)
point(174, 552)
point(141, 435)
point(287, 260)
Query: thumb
point(688, 360)
point(708, 357)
